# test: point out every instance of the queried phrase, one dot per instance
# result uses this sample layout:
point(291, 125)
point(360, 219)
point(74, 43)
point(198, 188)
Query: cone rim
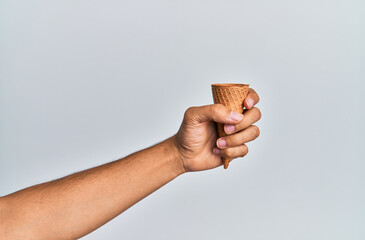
point(228, 85)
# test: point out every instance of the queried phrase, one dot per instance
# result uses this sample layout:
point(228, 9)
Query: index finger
point(252, 99)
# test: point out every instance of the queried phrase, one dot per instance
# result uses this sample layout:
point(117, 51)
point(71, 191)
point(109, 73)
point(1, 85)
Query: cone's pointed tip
point(226, 163)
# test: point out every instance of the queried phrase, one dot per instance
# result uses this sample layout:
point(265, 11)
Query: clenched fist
point(197, 140)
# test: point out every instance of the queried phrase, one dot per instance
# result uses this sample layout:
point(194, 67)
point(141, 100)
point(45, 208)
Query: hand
point(197, 143)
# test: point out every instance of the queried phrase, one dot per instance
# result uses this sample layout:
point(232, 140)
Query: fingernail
point(229, 128)
point(236, 116)
point(216, 151)
point(250, 103)
point(222, 143)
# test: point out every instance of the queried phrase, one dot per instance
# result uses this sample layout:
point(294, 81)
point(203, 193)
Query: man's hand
point(197, 142)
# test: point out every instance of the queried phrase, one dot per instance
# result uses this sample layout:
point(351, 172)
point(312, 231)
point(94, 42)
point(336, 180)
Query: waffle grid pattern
point(231, 96)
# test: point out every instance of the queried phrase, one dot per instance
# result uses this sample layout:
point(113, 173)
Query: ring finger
point(249, 117)
point(246, 135)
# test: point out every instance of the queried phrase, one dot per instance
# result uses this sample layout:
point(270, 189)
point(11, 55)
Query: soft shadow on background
point(87, 82)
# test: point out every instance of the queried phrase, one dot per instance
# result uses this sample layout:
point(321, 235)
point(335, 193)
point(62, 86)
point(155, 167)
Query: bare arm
point(73, 206)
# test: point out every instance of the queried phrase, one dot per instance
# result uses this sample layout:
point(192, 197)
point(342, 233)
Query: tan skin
point(73, 206)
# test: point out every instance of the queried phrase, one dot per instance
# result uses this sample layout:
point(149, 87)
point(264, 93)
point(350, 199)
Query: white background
point(87, 82)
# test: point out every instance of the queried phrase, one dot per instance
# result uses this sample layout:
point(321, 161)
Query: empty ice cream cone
point(231, 95)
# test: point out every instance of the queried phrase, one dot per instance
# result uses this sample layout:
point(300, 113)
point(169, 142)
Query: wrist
point(175, 160)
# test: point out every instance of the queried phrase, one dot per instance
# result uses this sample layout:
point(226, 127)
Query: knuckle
point(254, 93)
point(188, 113)
point(213, 109)
point(256, 130)
point(216, 109)
point(258, 112)
point(242, 151)
point(233, 140)
point(245, 149)
point(243, 124)
point(242, 138)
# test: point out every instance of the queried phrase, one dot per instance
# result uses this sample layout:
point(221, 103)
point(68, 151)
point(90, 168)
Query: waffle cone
point(231, 96)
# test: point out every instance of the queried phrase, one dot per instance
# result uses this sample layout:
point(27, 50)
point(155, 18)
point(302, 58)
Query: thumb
point(213, 112)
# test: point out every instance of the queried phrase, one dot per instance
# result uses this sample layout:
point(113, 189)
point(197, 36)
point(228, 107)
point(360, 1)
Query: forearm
point(75, 205)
